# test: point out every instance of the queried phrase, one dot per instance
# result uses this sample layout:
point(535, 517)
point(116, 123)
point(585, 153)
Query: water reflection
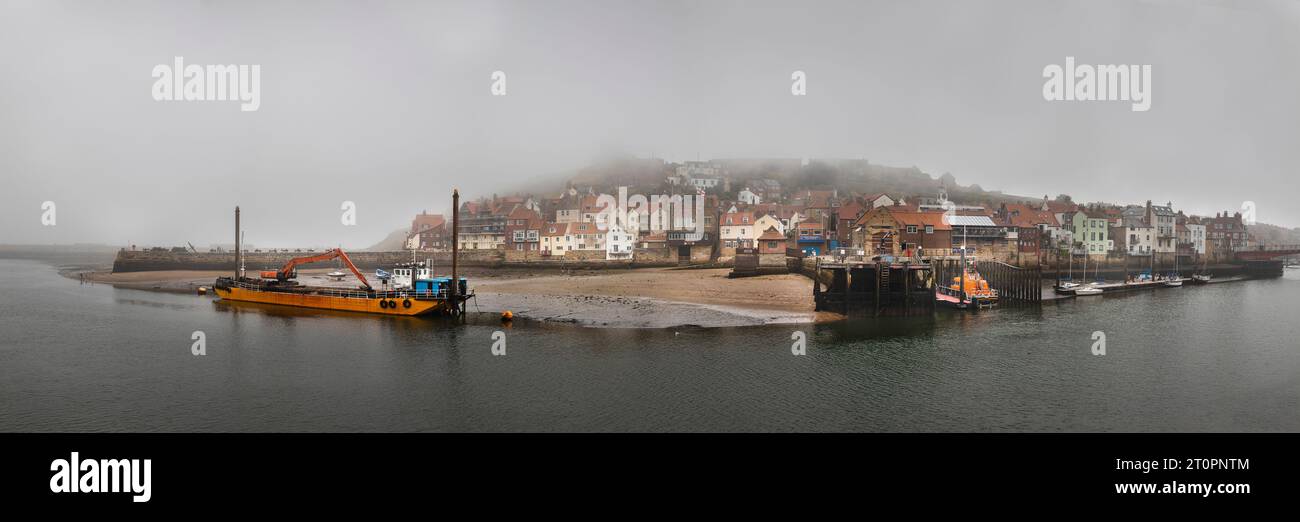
point(1216, 358)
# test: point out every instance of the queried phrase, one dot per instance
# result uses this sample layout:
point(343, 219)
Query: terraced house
point(523, 229)
point(1164, 220)
point(586, 236)
point(1091, 230)
point(1227, 232)
point(555, 239)
point(737, 231)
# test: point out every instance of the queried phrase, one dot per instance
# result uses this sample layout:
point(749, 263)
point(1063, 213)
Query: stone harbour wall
point(146, 261)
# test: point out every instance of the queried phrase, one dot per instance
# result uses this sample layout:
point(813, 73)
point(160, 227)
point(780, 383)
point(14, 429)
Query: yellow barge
point(420, 296)
point(392, 302)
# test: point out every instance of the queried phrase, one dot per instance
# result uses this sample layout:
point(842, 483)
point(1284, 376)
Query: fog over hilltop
point(388, 104)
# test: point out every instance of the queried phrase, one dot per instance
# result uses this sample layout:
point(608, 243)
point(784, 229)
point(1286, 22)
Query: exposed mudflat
point(637, 298)
point(654, 298)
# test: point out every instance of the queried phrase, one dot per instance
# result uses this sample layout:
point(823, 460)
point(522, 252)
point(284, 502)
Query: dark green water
point(94, 358)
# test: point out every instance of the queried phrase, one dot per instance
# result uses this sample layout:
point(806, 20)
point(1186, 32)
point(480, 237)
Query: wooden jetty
point(875, 287)
point(900, 285)
point(1137, 285)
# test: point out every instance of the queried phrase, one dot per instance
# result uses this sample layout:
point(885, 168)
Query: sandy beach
point(638, 298)
point(655, 298)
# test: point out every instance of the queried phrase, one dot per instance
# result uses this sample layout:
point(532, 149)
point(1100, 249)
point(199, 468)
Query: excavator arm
point(287, 271)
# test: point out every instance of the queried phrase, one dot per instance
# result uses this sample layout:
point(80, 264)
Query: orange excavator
point(288, 271)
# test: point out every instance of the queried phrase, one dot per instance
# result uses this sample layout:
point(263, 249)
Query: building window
point(929, 229)
point(911, 229)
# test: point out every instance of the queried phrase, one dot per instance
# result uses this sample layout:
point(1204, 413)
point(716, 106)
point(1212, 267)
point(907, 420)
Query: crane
point(287, 271)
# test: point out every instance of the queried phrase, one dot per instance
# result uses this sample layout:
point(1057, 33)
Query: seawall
point(148, 260)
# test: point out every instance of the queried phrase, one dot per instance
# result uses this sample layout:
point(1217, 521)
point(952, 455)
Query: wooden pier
point(909, 285)
point(1138, 285)
point(874, 287)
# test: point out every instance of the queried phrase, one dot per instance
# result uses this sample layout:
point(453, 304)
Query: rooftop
point(970, 221)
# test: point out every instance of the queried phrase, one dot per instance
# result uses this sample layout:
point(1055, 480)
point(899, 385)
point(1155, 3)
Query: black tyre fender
point(406, 303)
point(383, 303)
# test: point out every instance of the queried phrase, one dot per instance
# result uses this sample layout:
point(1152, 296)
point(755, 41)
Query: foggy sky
point(388, 104)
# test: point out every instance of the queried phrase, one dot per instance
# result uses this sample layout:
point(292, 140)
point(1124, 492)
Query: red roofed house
point(771, 249)
point(1029, 223)
point(736, 230)
point(429, 232)
point(898, 230)
point(480, 227)
point(523, 229)
point(587, 236)
point(555, 239)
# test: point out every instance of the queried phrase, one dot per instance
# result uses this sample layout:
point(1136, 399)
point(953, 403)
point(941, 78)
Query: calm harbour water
point(77, 357)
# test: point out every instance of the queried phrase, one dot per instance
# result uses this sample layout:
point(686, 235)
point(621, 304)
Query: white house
point(1059, 236)
point(748, 197)
point(1196, 234)
point(1139, 239)
point(737, 229)
point(793, 221)
point(765, 221)
point(1163, 218)
point(700, 174)
point(880, 200)
point(482, 241)
point(555, 239)
point(618, 242)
